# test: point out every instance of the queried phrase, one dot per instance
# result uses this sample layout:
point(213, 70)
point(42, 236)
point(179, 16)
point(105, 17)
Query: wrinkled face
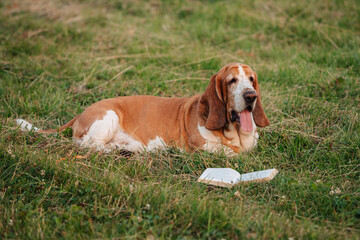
point(233, 95)
point(241, 92)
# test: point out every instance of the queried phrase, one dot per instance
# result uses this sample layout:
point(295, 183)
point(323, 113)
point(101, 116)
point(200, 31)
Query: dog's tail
point(25, 125)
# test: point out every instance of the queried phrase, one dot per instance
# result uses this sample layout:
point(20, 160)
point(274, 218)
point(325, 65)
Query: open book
point(227, 177)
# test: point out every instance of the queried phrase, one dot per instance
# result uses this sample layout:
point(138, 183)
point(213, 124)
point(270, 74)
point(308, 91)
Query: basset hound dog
point(223, 118)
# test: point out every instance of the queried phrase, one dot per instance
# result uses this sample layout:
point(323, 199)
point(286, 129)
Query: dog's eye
point(232, 81)
point(251, 79)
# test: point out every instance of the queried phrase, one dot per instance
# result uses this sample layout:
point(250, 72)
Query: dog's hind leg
point(101, 133)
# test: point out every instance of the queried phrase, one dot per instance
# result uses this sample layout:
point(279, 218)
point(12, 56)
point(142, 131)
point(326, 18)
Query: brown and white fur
point(211, 121)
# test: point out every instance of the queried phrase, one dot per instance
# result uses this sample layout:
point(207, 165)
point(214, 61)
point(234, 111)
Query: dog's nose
point(250, 97)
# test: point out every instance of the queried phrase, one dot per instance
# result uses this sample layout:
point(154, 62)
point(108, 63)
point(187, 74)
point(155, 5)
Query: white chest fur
point(246, 141)
point(213, 143)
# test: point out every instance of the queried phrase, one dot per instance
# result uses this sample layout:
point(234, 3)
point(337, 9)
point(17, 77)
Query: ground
point(57, 57)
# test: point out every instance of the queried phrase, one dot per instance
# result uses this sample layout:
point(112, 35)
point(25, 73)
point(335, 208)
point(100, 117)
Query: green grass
point(58, 57)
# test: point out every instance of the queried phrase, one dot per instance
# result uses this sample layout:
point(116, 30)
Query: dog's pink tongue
point(245, 121)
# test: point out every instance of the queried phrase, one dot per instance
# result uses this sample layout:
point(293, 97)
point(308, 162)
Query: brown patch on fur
point(260, 117)
point(212, 105)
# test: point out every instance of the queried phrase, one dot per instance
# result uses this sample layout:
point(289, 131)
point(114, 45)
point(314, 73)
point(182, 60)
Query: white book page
point(259, 175)
point(226, 175)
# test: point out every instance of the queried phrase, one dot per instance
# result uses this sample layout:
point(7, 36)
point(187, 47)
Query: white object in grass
point(227, 177)
point(25, 125)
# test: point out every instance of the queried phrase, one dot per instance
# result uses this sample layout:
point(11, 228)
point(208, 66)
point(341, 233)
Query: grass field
point(58, 57)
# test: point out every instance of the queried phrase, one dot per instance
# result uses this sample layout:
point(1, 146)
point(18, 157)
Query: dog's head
point(233, 95)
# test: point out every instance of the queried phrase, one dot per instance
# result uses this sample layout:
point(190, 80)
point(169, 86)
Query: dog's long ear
point(212, 105)
point(259, 115)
